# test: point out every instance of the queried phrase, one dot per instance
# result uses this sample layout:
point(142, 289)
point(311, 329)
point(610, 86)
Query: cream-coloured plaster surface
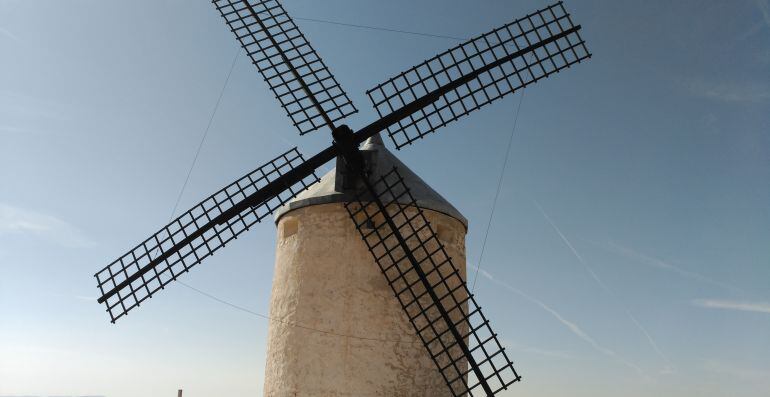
point(325, 278)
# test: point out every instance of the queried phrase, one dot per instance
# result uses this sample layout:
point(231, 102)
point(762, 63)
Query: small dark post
point(179, 393)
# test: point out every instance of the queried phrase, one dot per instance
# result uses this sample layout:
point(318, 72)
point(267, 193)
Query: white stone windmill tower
point(324, 279)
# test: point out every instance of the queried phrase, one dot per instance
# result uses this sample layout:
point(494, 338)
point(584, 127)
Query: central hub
point(347, 149)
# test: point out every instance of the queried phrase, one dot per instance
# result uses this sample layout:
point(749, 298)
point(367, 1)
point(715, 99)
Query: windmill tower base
point(326, 279)
point(337, 328)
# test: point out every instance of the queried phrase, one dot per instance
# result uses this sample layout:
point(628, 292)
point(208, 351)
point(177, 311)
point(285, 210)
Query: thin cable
point(205, 134)
point(245, 310)
point(203, 139)
point(381, 28)
point(497, 193)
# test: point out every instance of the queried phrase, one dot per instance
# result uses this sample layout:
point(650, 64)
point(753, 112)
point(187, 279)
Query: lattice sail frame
point(445, 280)
point(490, 85)
point(274, 34)
point(201, 247)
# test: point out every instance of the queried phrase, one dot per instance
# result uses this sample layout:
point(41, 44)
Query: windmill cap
point(328, 191)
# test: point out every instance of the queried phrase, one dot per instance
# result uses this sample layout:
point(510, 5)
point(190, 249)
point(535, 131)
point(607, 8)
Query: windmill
point(427, 284)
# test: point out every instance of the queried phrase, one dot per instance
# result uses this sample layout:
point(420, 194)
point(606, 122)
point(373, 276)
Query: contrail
point(657, 263)
point(574, 328)
point(756, 307)
point(604, 286)
point(10, 35)
point(764, 8)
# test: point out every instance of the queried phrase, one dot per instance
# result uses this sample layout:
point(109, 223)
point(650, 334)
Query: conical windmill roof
point(328, 190)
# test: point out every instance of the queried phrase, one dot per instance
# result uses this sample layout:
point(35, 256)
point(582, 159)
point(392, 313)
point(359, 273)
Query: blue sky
point(628, 251)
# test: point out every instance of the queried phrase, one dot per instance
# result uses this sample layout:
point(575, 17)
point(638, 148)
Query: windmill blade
point(478, 72)
point(195, 235)
point(300, 80)
point(430, 289)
